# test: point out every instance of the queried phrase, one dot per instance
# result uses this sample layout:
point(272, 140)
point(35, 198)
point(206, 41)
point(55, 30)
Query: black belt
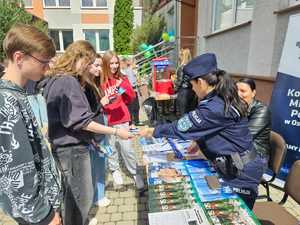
point(69, 145)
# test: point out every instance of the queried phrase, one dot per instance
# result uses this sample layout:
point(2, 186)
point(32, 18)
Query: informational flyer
point(193, 216)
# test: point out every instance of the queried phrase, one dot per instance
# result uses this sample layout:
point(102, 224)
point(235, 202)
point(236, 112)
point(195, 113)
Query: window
point(230, 12)
point(93, 3)
point(27, 3)
point(294, 2)
point(98, 38)
point(57, 3)
point(62, 38)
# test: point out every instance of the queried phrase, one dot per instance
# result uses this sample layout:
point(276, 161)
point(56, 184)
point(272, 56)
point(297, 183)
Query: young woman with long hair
point(72, 127)
point(118, 89)
point(98, 158)
point(219, 125)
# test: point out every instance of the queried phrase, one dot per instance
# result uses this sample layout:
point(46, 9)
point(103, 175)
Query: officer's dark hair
point(248, 81)
point(227, 90)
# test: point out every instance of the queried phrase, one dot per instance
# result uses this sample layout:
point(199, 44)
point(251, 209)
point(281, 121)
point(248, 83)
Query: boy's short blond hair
point(28, 39)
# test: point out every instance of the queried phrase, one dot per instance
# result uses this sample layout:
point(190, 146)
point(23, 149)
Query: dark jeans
point(134, 108)
point(76, 166)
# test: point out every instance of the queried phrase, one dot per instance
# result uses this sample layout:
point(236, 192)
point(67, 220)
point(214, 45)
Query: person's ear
point(253, 93)
point(200, 81)
point(18, 58)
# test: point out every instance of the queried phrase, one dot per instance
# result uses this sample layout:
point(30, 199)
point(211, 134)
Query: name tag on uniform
point(184, 124)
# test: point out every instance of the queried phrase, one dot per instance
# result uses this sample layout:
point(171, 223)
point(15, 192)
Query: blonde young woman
point(186, 97)
point(72, 127)
point(120, 93)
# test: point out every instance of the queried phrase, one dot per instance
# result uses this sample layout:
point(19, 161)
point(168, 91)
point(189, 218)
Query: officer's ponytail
point(227, 90)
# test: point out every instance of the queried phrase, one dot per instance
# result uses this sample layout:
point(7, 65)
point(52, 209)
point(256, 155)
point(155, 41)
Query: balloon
point(143, 47)
point(150, 47)
point(165, 37)
point(148, 54)
point(171, 33)
point(172, 38)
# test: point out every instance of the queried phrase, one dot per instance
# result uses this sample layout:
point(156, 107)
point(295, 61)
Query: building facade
point(246, 35)
point(71, 20)
point(181, 19)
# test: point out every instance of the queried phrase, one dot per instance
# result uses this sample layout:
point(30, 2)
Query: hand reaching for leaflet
point(146, 132)
point(105, 100)
point(123, 133)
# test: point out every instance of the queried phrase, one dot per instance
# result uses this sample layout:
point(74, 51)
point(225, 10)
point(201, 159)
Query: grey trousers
point(78, 199)
point(126, 150)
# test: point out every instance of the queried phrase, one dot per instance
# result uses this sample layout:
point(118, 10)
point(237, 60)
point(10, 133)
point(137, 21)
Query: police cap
point(200, 66)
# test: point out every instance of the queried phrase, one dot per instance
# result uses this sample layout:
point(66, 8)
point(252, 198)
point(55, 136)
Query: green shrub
point(149, 32)
point(123, 26)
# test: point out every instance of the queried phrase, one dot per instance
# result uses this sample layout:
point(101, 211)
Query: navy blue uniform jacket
point(218, 134)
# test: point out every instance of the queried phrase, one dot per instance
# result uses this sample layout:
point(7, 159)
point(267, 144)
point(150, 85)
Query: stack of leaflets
point(183, 180)
point(230, 212)
point(192, 216)
point(169, 187)
point(165, 150)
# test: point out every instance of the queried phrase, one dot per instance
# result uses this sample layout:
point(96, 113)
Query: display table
point(179, 191)
point(163, 100)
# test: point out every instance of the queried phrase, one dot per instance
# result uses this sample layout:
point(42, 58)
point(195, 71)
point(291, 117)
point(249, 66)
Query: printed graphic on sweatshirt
point(29, 182)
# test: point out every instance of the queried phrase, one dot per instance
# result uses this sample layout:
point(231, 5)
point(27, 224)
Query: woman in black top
point(72, 127)
point(259, 118)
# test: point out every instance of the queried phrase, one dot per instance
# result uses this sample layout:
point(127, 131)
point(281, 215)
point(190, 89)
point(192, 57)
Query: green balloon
point(143, 47)
point(165, 36)
point(148, 54)
point(172, 38)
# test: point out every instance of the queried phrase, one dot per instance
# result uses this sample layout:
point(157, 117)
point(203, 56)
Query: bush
point(149, 32)
point(123, 26)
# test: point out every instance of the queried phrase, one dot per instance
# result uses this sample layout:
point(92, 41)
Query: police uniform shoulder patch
point(184, 124)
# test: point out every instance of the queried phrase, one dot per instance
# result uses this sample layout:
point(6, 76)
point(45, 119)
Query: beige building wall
point(78, 19)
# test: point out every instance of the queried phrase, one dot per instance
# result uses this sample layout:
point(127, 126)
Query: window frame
point(97, 36)
point(29, 6)
point(94, 5)
point(61, 39)
point(56, 5)
point(233, 19)
point(294, 2)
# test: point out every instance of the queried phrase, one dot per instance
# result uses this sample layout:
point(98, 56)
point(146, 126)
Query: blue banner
point(285, 103)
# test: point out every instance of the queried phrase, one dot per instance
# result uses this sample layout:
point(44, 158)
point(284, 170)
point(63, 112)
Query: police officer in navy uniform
point(219, 125)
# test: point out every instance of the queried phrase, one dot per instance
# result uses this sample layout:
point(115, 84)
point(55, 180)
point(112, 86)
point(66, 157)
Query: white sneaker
point(104, 202)
point(117, 177)
point(93, 221)
point(139, 182)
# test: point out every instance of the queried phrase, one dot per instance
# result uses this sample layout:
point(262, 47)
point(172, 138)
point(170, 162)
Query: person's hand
point(123, 133)
point(56, 219)
point(146, 132)
point(105, 100)
point(193, 148)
